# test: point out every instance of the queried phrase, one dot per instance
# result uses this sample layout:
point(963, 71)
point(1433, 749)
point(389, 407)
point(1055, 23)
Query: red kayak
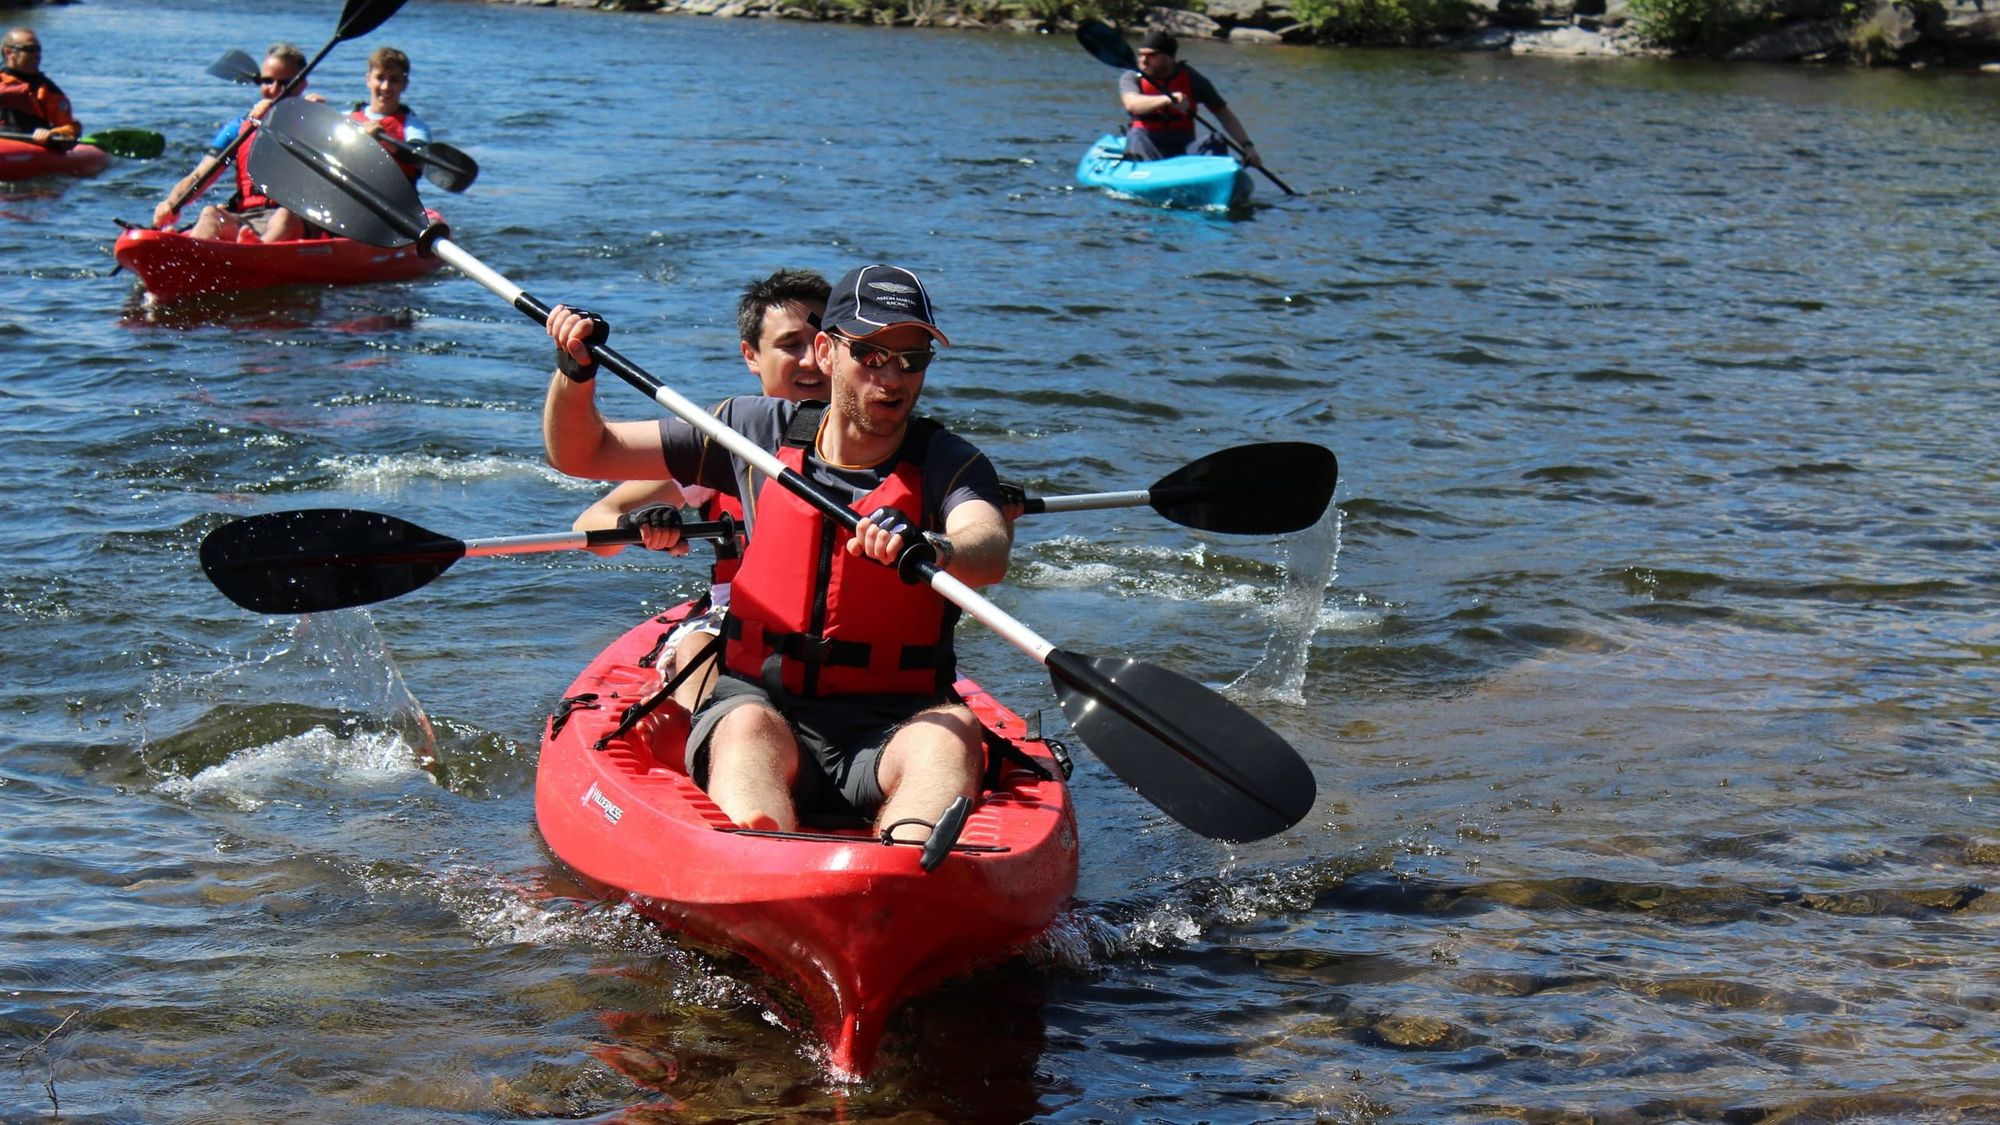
point(854, 924)
point(174, 266)
point(24, 160)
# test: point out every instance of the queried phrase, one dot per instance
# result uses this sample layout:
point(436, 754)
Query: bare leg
point(283, 226)
point(934, 759)
point(695, 688)
point(752, 761)
point(212, 223)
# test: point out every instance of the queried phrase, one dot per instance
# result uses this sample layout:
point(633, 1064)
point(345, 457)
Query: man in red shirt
point(1162, 95)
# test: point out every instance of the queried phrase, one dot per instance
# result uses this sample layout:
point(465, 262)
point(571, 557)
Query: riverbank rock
point(1872, 32)
point(1565, 42)
point(1815, 40)
point(1183, 24)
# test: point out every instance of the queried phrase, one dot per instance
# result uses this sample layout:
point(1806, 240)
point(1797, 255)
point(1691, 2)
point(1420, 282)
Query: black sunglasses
point(267, 80)
point(876, 356)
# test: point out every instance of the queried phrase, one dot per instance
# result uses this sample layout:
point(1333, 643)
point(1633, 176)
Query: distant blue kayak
point(1180, 181)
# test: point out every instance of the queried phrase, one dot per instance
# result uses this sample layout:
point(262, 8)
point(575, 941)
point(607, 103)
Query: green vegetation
point(1382, 22)
point(1707, 27)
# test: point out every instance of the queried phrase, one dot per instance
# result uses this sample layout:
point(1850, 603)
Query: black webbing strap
point(568, 706)
point(638, 711)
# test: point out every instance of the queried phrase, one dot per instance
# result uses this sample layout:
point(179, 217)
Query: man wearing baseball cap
point(1162, 95)
point(837, 674)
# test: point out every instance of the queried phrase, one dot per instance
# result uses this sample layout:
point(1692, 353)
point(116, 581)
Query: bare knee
point(283, 226)
point(944, 742)
point(754, 738)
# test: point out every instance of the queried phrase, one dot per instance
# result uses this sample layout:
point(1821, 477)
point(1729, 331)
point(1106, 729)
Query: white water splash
point(373, 473)
point(291, 768)
point(1312, 563)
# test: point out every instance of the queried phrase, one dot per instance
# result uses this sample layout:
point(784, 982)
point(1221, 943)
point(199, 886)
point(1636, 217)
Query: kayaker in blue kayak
point(1162, 95)
point(777, 318)
point(837, 673)
point(30, 101)
point(385, 115)
point(249, 215)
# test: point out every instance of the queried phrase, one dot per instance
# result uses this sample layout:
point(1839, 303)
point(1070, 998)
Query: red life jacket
point(247, 196)
point(823, 622)
point(729, 554)
point(393, 125)
point(30, 101)
point(1169, 119)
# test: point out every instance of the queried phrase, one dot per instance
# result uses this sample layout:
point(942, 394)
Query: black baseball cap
point(872, 298)
point(1161, 41)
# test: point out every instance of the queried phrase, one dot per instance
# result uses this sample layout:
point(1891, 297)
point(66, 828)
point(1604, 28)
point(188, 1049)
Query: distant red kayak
point(24, 160)
point(854, 924)
point(174, 267)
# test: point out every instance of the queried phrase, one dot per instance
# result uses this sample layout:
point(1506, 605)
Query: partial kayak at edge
point(853, 924)
point(25, 160)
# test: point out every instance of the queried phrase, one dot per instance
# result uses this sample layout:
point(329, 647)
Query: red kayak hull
point(855, 926)
point(175, 267)
point(24, 160)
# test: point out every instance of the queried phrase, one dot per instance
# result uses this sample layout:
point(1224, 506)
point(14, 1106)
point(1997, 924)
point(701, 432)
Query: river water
point(1651, 700)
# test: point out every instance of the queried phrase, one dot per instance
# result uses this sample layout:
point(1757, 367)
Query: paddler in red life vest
point(836, 693)
point(777, 318)
point(249, 215)
point(385, 115)
point(1161, 97)
point(30, 101)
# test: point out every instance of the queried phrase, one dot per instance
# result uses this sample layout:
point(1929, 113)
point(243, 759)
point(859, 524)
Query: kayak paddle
point(1110, 48)
point(1271, 488)
point(1201, 759)
point(316, 559)
point(357, 18)
point(445, 166)
point(139, 144)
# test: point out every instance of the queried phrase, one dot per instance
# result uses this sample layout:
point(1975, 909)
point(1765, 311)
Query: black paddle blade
point(1203, 760)
point(139, 144)
point(1102, 40)
point(1272, 488)
point(448, 167)
point(322, 558)
point(360, 17)
point(235, 66)
point(311, 158)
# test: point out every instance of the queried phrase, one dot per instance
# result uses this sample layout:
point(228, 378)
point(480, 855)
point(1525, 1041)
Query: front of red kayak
point(175, 267)
point(25, 160)
point(854, 924)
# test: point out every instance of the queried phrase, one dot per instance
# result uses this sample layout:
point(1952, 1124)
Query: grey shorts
point(841, 740)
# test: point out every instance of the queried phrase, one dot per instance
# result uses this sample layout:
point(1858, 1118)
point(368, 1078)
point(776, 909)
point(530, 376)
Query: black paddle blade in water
point(1102, 40)
point(1268, 489)
point(313, 160)
point(1203, 760)
point(446, 166)
point(322, 558)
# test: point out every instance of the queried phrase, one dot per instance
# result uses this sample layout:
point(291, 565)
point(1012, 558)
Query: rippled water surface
point(1652, 697)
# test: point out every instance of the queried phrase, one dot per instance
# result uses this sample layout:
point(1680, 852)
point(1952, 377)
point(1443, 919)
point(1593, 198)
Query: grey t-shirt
point(954, 471)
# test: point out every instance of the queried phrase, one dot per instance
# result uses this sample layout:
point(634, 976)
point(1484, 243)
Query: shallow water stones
point(1417, 1033)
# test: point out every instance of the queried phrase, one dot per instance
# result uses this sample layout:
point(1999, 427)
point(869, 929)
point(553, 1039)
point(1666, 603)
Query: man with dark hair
point(777, 317)
point(30, 101)
point(1162, 95)
point(250, 214)
point(836, 693)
